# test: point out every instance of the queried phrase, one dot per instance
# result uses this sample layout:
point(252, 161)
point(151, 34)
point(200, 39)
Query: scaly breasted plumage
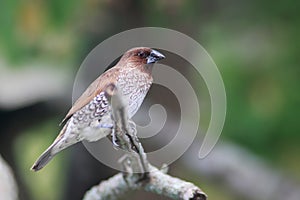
point(90, 117)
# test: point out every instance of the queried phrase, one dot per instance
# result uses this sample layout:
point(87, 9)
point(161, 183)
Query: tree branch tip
point(198, 195)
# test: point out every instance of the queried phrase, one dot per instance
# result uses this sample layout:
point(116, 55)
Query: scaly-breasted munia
point(90, 117)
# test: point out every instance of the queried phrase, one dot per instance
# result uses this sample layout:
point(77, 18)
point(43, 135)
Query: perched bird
point(90, 117)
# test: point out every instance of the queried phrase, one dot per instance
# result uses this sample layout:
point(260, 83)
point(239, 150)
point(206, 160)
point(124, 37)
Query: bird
point(90, 118)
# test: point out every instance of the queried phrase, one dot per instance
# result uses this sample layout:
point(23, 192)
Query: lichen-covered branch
point(172, 187)
point(149, 178)
point(159, 183)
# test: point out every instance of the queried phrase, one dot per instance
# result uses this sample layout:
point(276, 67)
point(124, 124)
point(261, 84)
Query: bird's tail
point(51, 151)
point(43, 159)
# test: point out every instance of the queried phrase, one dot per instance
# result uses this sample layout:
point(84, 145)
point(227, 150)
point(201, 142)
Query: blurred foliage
point(255, 44)
point(37, 29)
point(259, 61)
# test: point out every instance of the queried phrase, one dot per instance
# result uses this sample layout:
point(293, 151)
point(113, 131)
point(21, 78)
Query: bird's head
point(141, 56)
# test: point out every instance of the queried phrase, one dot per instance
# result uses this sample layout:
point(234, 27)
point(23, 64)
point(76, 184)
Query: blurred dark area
point(255, 45)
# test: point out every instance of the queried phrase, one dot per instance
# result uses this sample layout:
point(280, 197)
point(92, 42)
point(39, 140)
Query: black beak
point(154, 57)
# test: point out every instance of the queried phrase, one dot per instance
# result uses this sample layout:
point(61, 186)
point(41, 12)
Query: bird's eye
point(142, 54)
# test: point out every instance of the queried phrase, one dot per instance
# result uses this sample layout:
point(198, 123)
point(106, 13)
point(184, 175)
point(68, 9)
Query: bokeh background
point(255, 44)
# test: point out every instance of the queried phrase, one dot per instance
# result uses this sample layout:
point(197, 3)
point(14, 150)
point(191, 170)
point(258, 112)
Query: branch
point(149, 178)
point(160, 183)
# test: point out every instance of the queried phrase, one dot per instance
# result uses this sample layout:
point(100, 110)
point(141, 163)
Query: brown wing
point(93, 90)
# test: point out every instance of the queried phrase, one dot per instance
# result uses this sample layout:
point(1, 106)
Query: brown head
point(140, 56)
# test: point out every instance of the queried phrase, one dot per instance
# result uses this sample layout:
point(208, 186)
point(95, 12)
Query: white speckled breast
point(134, 86)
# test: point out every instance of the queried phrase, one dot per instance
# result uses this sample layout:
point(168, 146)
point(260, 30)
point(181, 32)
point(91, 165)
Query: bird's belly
point(92, 134)
point(97, 129)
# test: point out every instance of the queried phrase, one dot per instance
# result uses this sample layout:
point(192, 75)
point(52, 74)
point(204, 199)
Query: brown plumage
point(90, 117)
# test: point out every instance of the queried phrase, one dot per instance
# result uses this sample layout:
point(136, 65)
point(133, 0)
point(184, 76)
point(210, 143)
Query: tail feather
point(50, 152)
point(42, 160)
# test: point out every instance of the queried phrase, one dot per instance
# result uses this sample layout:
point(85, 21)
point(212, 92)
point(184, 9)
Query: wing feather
point(93, 90)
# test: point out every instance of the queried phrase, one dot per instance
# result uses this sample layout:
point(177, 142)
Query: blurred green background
point(255, 44)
